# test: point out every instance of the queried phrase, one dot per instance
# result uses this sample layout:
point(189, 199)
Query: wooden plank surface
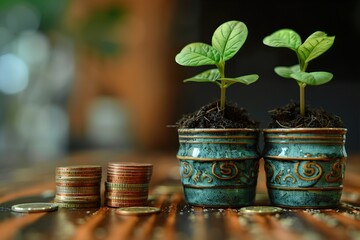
point(177, 220)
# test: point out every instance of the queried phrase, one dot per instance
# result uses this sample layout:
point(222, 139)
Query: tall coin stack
point(78, 186)
point(127, 184)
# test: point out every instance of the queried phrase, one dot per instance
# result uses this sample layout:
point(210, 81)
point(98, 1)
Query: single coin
point(129, 164)
point(260, 210)
point(137, 210)
point(127, 198)
point(79, 205)
point(122, 203)
point(76, 199)
point(35, 207)
point(79, 168)
point(125, 186)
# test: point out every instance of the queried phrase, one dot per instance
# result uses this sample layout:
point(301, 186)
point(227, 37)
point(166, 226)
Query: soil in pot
point(210, 116)
point(289, 116)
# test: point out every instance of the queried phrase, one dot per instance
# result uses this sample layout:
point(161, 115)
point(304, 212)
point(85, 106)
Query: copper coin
point(137, 210)
point(112, 203)
point(129, 164)
point(79, 168)
point(126, 185)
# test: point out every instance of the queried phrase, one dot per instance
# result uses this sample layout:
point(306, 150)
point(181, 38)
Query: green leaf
point(317, 34)
point(208, 76)
point(286, 72)
point(198, 54)
point(312, 78)
point(315, 45)
point(283, 38)
point(229, 37)
point(247, 79)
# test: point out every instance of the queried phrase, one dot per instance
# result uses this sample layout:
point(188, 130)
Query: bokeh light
point(14, 75)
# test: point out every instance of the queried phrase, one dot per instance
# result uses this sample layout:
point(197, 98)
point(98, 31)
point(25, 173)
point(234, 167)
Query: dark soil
point(210, 116)
point(289, 117)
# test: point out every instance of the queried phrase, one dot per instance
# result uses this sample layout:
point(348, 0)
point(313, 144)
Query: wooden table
point(177, 220)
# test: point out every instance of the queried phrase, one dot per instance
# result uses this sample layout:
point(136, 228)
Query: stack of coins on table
point(127, 184)
point(78, 186)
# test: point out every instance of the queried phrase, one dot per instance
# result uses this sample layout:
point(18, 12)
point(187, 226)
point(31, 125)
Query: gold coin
point(34, 207)
point(137, 210)
point(260, 210)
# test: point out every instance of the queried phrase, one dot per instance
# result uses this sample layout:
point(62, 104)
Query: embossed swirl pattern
point(305, 171)
point(187, 170)
point(227, 169)
point(336, 174)
point(223, 171)
point(310, 171)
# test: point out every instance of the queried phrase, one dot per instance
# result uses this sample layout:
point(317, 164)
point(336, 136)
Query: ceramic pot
point(305, 166)
point(219, 167)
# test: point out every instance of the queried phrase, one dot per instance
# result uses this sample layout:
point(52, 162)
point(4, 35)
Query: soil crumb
point(289, 116)
point(210, 116)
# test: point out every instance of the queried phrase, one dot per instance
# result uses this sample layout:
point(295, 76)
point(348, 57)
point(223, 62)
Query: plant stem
point(303, 66)
point(222, 98)
point(302, 98)
point(221, 67)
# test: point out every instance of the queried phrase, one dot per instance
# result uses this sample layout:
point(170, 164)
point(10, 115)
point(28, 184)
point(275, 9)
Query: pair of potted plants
point(218, 152)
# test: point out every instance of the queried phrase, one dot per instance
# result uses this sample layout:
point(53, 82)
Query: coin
point(79, 168)
point(81, 190)
point(79, 205)
point(127, 184)
point(78, 186)
point(260, 210)
point(127, 198)
point(129, 165)
point(137, 210)
point(77, 198)
point(34, 207)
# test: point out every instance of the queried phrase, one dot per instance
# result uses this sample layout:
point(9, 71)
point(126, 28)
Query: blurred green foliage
point(49, 10)
point(95, 32)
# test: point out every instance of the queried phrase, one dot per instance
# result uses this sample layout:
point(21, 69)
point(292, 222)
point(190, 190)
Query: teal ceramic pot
point(219, 167)
point(305, 166)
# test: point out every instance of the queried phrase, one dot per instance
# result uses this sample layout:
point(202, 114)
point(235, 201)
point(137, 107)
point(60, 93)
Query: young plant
point(315, 45)
point(226, 41)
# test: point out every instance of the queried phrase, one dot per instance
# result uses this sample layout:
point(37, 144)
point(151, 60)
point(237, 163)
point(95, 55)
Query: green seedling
point(315, 45)
point(227, 40)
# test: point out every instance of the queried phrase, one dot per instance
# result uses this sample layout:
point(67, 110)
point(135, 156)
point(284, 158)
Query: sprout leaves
point(198, 54)
point(226, 41)
point(314, 46)
point(228, 38)
point(283, 38)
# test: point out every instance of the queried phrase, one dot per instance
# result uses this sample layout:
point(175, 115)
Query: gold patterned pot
point(305, 167)
point(219, 167)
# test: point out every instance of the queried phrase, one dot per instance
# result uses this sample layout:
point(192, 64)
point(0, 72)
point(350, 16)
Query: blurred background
point(100, 74)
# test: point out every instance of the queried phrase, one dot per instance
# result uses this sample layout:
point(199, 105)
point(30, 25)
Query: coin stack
point(78, 186)
point(127, 184)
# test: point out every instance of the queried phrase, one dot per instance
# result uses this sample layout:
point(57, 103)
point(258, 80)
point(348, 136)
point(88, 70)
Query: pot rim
point(303, 130)
point(188, 130)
